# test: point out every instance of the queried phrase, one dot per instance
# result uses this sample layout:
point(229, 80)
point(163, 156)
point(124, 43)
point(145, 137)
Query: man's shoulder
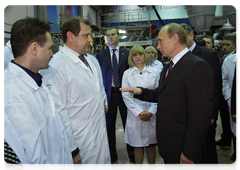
point(193, 58)
point(230, 58)
point(103, 51)
point(6, 53)
point(58, 58)
point(124, 50)
point(208, 51)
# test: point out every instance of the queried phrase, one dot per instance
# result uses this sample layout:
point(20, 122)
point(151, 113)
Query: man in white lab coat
point(8, 55)
point(33, 129)
point(228, 67)
point(75, 80)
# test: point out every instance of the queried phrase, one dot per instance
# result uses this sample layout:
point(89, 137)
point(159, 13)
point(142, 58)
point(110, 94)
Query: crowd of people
point(62, 108)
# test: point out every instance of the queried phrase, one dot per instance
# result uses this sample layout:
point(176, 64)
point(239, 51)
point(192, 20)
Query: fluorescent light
point(123, 37)
point(122, 31)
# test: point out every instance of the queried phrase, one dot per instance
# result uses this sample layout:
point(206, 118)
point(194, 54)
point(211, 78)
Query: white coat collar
point(134, 70)
point(22, 75)
point(231, 57)
point(156, 62)
point(71, 54)
point(74, 56)
point(8, 44)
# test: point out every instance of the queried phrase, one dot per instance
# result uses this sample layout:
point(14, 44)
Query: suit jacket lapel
point(180, 64)
point(108, 57)
point(163, 73)
point(121, 53)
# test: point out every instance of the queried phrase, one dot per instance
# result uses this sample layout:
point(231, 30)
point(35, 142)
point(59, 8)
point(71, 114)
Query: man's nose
point(159, 46)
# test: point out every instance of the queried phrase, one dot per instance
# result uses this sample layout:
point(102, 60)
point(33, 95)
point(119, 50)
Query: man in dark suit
point(184, 96)
point(112, 80)
point(211, 57)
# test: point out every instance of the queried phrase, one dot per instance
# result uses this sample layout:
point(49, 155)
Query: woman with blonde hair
point(152, 55)
point(140, 130)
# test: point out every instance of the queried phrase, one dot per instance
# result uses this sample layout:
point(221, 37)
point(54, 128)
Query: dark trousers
point(210, 145)
point(225, 120)
point(116, 101)
point(171, 166)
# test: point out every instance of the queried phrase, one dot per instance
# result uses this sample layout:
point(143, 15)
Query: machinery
point(202, 18)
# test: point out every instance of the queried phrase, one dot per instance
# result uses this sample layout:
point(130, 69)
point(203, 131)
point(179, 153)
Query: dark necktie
point(85, 61)
point(115, 69)
point(8, 156)
point(170, 67)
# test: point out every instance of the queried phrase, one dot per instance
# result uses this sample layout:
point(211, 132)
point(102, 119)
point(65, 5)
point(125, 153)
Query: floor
point(224, 152)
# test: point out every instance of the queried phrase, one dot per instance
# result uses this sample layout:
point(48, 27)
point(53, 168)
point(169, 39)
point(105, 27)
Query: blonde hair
point(153, 49)
point(134, 50)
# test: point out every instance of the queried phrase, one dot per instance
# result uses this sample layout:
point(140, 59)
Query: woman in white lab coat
point(152, 55)
point(140, 128)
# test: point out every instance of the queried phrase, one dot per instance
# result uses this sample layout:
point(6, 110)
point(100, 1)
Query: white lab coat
point(228, 68)
point(9, 134)
point(140, 133)
point(8, 55)
point(32, 127)
point(79, 95)
point(157, 65)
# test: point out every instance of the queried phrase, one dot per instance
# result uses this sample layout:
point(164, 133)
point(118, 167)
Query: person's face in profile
point(228, 47)
point(81, 43)
point(165, 43)
point(208, 43)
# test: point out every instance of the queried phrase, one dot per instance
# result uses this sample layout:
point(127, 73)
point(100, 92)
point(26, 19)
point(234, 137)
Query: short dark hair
point(208, 36)
point(187, 28)
point(230, 38)
point(73, 25)
point(26, 31)
point(174, 28)
point(113, 28)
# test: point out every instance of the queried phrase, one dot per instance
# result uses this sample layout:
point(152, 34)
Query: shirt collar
point(110, 48)
point(36, 77)
point(179, 56)
point(73, 55)
point(192, 47)
point(230, 54)
point(134, 70)
point(9, 45)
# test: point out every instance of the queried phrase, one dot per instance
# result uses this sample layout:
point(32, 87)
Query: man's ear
point(119, 37)
point(192, 35)
point(175, 38)
point(70, 36)
point(34, 47)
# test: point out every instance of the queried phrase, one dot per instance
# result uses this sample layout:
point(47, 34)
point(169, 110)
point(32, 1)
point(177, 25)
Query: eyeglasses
point(150, 52)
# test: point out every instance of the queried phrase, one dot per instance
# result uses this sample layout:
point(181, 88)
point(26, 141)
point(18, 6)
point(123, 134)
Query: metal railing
point(125, 19)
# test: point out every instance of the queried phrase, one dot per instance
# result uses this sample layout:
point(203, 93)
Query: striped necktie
point(169, 67)
point(115, 69)
point(85, 61)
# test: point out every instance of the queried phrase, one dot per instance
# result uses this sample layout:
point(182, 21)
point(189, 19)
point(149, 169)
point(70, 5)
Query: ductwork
point(201, 16)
